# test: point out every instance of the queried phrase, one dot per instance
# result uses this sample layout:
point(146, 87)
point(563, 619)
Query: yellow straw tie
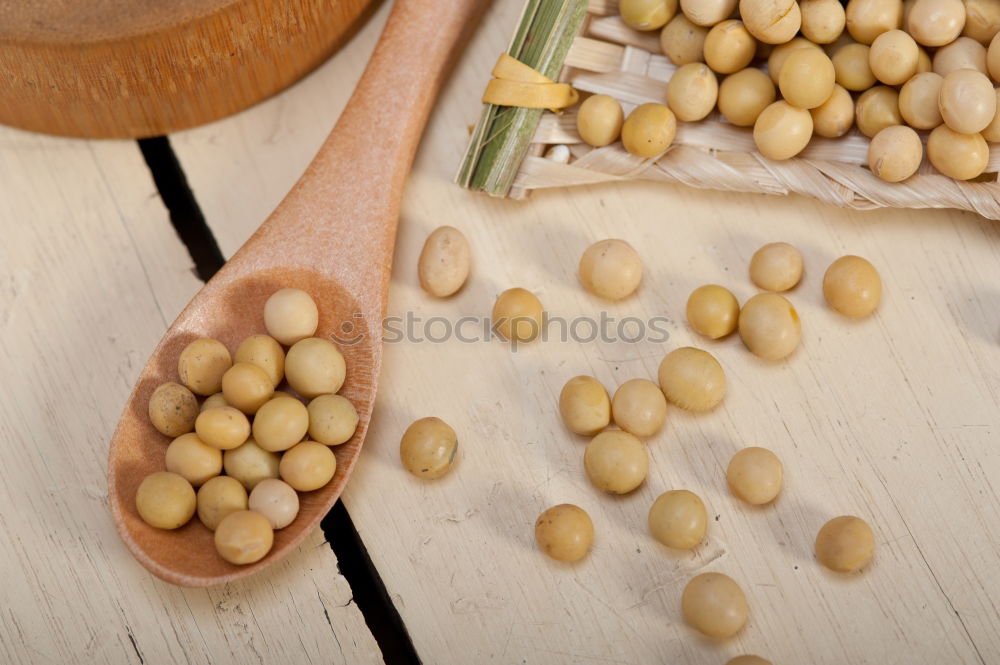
point(517, 84)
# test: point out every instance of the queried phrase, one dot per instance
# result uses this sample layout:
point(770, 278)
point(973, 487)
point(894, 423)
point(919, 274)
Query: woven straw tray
point(609, 57)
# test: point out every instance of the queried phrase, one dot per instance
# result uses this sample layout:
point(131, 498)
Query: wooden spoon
point(332, 236)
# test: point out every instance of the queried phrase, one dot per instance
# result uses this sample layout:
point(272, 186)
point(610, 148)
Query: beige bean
point(823, 21)
point(867, 19)
point(445, 262)
point(782, 131)
point(834, 117)
point(599, 120)
point(936, 22)
point(877, 109)
point(771, 21)
point(895, 153)
point(893, 57)
point(729, 47)
point(692, 92)
point(172, 409)
point(982, 20)
point(649, 130)
point(743, 96)
point(963, 53)
point(918, 101)
point(967, 101)
point(682, 41)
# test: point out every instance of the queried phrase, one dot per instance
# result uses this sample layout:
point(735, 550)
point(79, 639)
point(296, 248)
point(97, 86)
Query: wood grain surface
point(893, 418)
point(91, 273)
point(128, 68)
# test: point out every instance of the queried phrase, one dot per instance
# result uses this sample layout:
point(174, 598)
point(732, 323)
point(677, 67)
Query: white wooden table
point(895, 418)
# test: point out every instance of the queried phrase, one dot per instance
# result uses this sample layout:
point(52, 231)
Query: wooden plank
point(893, 418)
point(91, 273)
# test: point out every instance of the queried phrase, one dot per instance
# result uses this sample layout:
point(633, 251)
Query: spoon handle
point(340, 218)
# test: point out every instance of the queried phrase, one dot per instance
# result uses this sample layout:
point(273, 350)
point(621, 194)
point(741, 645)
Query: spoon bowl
point(187, 555)
point(332, 237)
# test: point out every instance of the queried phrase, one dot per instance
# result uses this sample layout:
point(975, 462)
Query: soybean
point(993, 58)
point(744, 95)
point(755, 475)
point(599, 120)
point(963, 53)
point(782, 131)
point(647, 14)
point(290, 315)
point(692, 92)
point(189, 457)
point(807, 78)
point(584, 405)
point(780, 53)
point(867, 19)
point(250, 464)
point(936, 22)
point(314, 367)
point(895, 153)
point(771, 21)
point(280, 424)
point(845, 544)
point(708, 12)
point(834, 117)
point(678, 519)
point(276, 500)
point(564, 532)
point(165, 500)
point(823, 21)
point(851, 63)
point(247, 387)
point(713, 311)
point(918, 101)
point(332, 419)
point(877, 109)
point(616, 461)
point(967, 101)
point(682, 41)
point(307, 466)
point(217, 498)
point(639, 407)
point(893, 57)
point(982, 20)
point(729, 47)
point(519, 313)
point(769, 326)
point(649, 130)
point(714, 604)
point(243, 537)
point(222, 427)
point(172, 409)
point(852, 286)
point(776, 266)
point(428, 448)
point(264, 352)
point(202, 364)
point(445, 262)
point(692, 379)
point(611, 269)
point(992, 131)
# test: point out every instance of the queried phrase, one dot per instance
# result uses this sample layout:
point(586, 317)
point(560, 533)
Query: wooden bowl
point(137, 68)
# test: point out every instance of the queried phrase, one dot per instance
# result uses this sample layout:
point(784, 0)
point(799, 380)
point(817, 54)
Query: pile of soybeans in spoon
point(239, 458)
